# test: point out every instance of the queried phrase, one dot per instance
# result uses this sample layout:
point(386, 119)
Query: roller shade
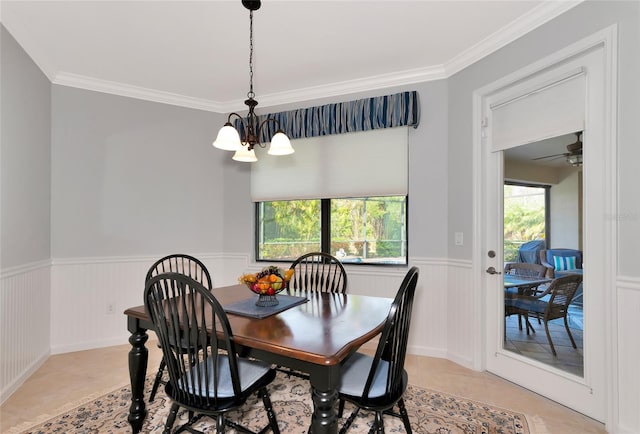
point(368, 163)
point(549, 111)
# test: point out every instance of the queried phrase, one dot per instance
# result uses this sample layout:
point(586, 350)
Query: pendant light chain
point(244, 141)
point(251, 94)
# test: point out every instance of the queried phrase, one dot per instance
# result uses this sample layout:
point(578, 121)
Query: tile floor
point(536, 346)
point(66, 378)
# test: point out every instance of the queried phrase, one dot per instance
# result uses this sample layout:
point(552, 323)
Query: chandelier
point(228, 138)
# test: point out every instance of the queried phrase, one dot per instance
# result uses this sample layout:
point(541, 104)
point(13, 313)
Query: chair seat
point(249, 372)
point(355, 372)
point(537, 305)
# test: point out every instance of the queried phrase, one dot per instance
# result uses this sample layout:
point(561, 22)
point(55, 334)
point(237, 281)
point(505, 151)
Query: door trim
point(607, 40)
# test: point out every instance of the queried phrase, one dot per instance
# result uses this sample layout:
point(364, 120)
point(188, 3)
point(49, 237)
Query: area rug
point(429, 412)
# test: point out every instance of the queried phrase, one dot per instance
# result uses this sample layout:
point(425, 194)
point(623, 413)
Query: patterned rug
point(429, 412)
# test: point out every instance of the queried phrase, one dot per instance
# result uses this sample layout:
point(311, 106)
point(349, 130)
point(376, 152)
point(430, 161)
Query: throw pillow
point(562, 263)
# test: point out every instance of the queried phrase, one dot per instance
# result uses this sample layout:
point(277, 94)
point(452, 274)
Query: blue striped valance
point(345, 117)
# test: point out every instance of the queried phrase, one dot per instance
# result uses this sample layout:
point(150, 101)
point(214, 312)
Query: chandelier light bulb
point(245, 155)
point(228, 138)
point(280, 144)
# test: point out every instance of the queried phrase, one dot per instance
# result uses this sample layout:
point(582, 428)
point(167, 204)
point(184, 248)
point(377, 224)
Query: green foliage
point(290, 228)
point(524, 217)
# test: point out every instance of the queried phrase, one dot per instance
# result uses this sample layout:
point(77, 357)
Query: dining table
point(524, 285)
point(314, 337)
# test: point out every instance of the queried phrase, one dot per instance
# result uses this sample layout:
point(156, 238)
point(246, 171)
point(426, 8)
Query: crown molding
point(334, 89)
point(528, 22)
point(538, 16)
point(121, 89)
point(410, 76)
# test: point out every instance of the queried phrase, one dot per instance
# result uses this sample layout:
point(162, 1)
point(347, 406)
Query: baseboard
point(419, 350)
point(91, 345)
point(17, 382)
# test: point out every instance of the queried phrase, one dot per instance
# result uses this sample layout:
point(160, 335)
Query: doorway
point(542, 210)
point(582, 67)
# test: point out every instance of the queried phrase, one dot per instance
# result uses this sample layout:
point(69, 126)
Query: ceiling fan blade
point(548, 156)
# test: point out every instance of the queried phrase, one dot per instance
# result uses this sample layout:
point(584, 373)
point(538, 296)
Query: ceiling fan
point(573, 154)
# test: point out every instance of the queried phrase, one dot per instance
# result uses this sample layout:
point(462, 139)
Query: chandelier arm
point(240, 118)
point(259, 130)
point(245, 133)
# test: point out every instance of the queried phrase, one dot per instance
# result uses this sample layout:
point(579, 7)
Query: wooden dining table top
point(324, 330)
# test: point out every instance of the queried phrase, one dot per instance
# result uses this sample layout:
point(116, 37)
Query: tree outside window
point(369, 230)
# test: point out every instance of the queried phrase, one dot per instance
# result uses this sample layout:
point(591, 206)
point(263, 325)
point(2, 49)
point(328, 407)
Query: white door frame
point(601, 227)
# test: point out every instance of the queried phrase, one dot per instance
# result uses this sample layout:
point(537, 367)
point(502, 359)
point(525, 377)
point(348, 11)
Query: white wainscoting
point(461, 313)
point(24, 313)
point(76, 304)
point(89, 296)
point(628, 356)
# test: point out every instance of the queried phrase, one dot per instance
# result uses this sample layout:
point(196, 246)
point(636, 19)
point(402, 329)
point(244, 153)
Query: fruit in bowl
point(269, 281)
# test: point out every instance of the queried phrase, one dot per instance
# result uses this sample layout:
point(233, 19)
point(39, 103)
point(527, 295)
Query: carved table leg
point(138, 357)
point(324, 394)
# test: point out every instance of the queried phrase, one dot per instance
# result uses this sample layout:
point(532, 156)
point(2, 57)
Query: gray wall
point(25, 158)
point(131, 177)
point(580, 22)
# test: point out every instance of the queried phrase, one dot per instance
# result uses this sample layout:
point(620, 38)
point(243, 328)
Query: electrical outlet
point(110, 309)
point(459, 238)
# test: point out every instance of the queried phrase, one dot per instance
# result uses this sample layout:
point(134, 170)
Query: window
point(526, 216)
point(367, 230)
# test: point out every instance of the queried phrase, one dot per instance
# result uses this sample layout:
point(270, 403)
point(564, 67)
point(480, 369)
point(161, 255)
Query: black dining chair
point(315, 272)
point(216, 381)
point(183, 264)
point(318, 272)
point(378, 383)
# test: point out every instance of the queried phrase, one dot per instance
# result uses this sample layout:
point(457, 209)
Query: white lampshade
point(245, 155)
point(228, 139)
point(280, 144)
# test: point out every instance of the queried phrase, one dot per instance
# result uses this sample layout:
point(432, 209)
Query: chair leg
point(273, 423)
point(378, 425)
point(220, 424)
point(173, 412)
point(566, 325)
point(157, 381)
point(529, 326)
point(546, 328)
point(349, 421)
point(405, 416)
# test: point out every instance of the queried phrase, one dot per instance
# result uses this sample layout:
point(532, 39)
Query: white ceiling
point(528, 153)
point(195, 53)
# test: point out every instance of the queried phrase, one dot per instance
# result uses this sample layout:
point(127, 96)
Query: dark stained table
point(314, 337)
